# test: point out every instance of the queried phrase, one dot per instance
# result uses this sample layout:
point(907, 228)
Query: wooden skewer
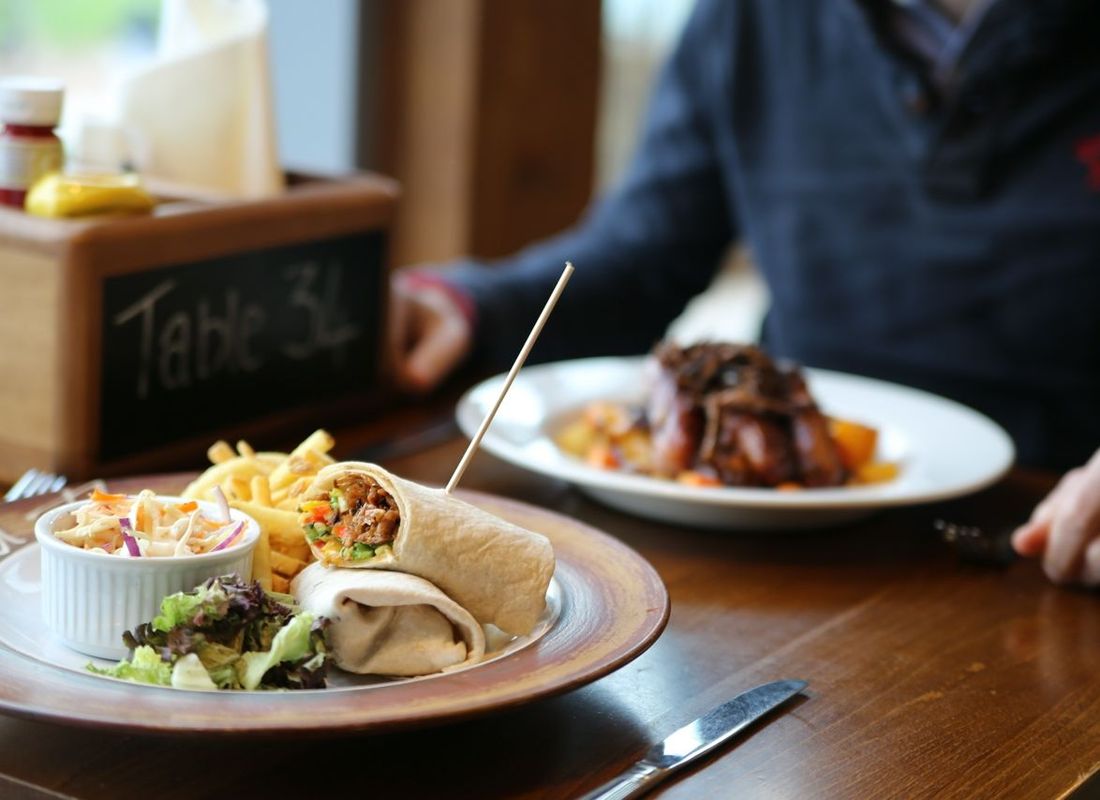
point(524, 351)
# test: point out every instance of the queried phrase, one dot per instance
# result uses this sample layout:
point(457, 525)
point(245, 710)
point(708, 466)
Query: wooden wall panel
point(30, 325)
point(538, 81)
point(488, 118)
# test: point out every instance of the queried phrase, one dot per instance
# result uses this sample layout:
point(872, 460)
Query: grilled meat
point(732, 411)
point(819, 461)
point(675, 422)
point(372, 517)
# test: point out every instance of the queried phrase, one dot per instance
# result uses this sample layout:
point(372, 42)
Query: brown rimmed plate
point(613, 606)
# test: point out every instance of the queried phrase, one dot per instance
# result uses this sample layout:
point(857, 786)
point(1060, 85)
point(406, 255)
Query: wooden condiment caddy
point(132, 343)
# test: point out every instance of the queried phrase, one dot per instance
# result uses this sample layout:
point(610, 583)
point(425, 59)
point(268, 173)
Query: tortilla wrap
point(497, 571)
point(389, 623)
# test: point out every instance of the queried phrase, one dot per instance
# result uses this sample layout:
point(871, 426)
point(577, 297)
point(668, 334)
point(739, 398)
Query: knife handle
point(635, 781)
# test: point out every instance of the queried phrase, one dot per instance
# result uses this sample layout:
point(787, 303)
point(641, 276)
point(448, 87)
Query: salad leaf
point(214, 655)
point(145, 666)
point(227, 633)
point(292, 643)
point(181, 608)
point(189, 673)
point(309, 671)
point(225, 676)
point(227, 598)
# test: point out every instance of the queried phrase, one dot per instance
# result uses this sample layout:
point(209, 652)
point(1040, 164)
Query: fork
point(30, 484)
point(33, 483)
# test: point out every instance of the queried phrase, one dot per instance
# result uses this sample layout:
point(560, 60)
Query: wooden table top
point(927, 678)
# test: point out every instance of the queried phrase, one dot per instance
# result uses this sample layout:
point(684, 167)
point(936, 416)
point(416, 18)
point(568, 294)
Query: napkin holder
point(130, 344)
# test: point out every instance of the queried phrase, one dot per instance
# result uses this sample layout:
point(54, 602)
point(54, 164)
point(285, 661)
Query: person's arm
point(640, 254)
point(1064, 529)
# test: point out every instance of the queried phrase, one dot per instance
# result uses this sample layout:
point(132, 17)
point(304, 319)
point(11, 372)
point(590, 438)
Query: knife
point(697, 739)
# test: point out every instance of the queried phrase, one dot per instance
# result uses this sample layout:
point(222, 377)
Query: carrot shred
point(106, 497)
point(188, 507)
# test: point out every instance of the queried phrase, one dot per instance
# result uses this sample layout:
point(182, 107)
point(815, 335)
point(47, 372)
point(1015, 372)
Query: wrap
point(497, 571)
point(389, 623)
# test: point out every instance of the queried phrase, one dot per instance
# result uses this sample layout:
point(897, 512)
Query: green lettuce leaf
point(189, 673)
point(145, 666)
point(205, 603)
point(220, 662)
point(292, 643)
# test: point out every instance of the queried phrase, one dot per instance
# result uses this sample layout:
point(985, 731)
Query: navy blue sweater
point(948, 240)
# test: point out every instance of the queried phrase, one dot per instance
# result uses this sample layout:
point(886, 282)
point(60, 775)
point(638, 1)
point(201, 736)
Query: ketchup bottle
point(30, 109)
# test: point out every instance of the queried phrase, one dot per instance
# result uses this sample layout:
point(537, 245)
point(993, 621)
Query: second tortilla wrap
point(389, 623)
point(496, 570)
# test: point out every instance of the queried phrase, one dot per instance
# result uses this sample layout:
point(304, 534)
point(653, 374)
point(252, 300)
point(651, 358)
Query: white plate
point(944, 449)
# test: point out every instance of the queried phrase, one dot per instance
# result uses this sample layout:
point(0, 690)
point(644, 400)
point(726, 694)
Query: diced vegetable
point(361, 550)
point(604, 457)
point(636, 447)
point(692, 478)
point(877, 472)
point(338, 501)
point(855, 442)
point(611, 418)
point(578, 437)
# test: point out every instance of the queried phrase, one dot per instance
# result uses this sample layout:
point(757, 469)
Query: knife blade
point(696, 739)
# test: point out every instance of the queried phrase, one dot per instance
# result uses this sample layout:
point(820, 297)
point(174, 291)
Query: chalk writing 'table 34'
point(179, 348)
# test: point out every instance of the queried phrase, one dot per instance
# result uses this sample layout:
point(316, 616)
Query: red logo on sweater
point(1088, 153)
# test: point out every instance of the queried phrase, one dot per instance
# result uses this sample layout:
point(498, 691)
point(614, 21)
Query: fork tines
point(33, 483)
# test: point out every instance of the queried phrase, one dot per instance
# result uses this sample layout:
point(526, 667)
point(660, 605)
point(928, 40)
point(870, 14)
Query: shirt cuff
point(428, 279)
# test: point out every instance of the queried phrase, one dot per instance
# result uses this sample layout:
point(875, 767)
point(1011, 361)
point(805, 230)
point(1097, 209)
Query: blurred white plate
point(944, 449)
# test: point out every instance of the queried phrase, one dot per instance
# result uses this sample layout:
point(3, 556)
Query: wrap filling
point(355, 521)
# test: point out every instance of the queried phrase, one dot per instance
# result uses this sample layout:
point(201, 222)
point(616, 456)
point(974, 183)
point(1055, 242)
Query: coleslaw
point(149, 526)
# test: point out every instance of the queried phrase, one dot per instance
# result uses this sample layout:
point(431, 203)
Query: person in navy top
point(919, 183)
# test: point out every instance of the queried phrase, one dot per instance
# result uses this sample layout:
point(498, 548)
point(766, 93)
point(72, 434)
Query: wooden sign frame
point(51, 321)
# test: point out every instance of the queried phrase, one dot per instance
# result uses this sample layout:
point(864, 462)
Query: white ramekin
point(89, 599)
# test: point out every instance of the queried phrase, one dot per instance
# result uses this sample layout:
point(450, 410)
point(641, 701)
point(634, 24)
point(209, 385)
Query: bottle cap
point(31, 101)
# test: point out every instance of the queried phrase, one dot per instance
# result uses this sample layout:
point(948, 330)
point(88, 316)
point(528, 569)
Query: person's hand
point(430, 333)
point(1064, 529)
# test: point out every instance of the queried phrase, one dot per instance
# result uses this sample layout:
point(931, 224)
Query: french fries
point(261, 561)
point(281, 527)
point(261, 491)
point(267, 487)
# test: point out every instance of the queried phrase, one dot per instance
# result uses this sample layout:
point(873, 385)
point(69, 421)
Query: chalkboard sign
point(197, 347)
